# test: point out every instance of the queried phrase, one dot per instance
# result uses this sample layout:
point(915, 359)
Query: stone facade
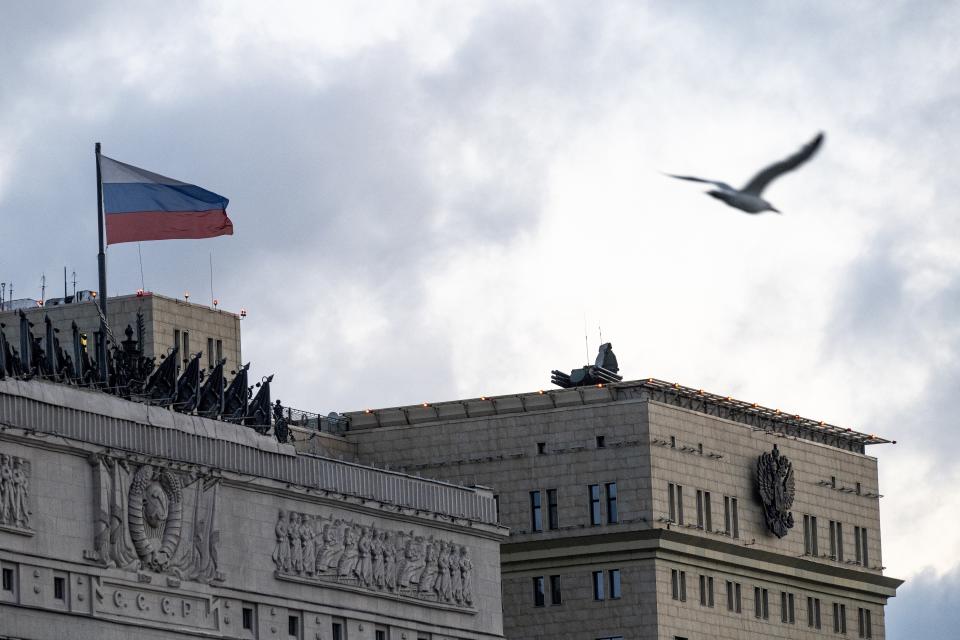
point(650, 488)
point(197, 327)
point(149, 523)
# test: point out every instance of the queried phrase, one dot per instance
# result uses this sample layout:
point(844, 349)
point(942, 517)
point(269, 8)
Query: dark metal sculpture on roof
point(161, 388)
point(210, 404)
point(603, 371)
point(188, 386)
point(777, 487)
point(236, 400)
point(258, 417)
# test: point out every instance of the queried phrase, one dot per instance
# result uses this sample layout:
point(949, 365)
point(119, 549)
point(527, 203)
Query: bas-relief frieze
point(156, 519)
point(14, 494)
point(333, 551)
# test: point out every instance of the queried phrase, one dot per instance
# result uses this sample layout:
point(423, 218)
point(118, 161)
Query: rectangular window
point(555, 595)
point(810, 536)
point(679, 504)
point(496, 506)
point(219, 350)
point(210, 353)
point(857, 555)
point(863, 546)
point(761, 603)
point(840, 542)
point(186, 345)
point(672, 503)
point(176, 343)
point(553, 520)
point(786, 608)
point(731, 519)
point(381, 634)
point(541, 448)
point(7, 579)
point(248, 618)
point(836, 540)
point(707, 512)
point(598, 585)
point(839, 618)
point(337, 631)
point(612, 515)
point(59, 588)
point(536, 516)
point(863, 623)
point(594, 504)
point(706, 591)
point(538, 591)
point(699, 509)
point(678, 581)
point(293, 626)
point(733, 596)
point(614, 580)
point(601, 442)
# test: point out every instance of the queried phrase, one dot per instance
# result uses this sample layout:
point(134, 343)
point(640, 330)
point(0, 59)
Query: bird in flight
point(748, 198)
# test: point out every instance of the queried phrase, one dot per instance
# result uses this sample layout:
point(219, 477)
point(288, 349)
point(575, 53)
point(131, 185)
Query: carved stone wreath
point(155, 516)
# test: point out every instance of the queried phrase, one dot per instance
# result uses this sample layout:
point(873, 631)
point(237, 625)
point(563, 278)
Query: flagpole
point(102, 267)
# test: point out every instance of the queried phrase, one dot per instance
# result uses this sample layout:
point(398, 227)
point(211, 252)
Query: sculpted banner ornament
point(776, 486)
point(336, 551)
point(153, 518)
point(14, 494)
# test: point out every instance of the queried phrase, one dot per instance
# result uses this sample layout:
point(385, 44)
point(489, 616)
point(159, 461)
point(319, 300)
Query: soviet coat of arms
point(776, 486)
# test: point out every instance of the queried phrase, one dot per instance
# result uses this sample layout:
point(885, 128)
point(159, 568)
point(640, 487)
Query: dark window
point(337, 629)
point(59, 587)
point(839, 618)
point(700, 448)
point(594, 504)
point(699, 509)
point(733, 596)
point(219, 350)
point(707, 512)
point(186, 345)
point(293, 626)
point(840, 541)
point(833, 482)
point(8, 579)
point(791, 612)
point(538, 591)
point(813, 612)
point(761, 603)
point(671, 502)
point(863, 623)
point(614, 584)
point(536, 516)
point(863, 546)
point(248, 618)
point(810, 536)
point(553, 520)
point(836, 540)
point(555, 596)
point(673, 441)
point(683, 586)
point(706, 591)
point(381, 634)
point(210, 352)
point(598, 585)
point(601, 442)
point(612, 515)
point(737, 597)
point(736, 517)
point(675, 584)
point(541, 448)
point(176, 343)
point(859, 488)
point(679, 504)
point(496, 506)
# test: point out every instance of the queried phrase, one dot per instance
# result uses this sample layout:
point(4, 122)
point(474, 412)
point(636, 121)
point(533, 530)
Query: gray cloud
point(925, 607)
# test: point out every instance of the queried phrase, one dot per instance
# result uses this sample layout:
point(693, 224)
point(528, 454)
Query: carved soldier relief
point(153, 518)
point(14, 494)
point(332, 550)
point(776, 486)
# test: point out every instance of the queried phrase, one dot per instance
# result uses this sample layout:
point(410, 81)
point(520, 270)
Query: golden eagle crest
point(776, 487)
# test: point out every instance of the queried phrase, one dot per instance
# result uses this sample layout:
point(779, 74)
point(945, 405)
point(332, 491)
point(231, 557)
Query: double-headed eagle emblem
point(776, 487)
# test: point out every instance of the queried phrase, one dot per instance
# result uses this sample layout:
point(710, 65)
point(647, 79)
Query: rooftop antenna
point(586, 345)
point(600, 331)
point(211, 278)
point(43, 288)
point(3, 294)
point(74, 286)
point(140, 255)
point(64, 284)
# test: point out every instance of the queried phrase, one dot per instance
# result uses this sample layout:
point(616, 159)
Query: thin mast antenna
point(43, 288)
point(74, 286)
point(64, 285)
point(140, 255)
point(211, 278)
point(600, 331)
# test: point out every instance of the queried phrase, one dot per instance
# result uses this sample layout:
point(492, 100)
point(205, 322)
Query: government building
point(601, 510)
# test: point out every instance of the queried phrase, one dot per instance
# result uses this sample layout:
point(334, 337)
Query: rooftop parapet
point(749, 413)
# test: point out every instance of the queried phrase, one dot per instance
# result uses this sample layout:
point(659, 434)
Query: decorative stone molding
point(776, 486)
point(152, 518)
point(15, 495)
point(343, 553)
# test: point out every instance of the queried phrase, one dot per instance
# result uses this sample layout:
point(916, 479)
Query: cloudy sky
point(432, 200)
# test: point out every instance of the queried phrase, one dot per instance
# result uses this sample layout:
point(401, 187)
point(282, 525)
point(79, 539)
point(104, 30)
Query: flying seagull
point(748, 198)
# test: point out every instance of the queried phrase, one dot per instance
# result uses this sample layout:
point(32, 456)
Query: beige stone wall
point(162, 316)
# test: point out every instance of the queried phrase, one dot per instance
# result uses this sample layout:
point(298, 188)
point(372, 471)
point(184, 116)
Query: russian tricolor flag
point(141, 205)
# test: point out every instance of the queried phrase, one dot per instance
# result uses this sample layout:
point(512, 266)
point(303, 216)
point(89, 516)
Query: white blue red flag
point(141, 205)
